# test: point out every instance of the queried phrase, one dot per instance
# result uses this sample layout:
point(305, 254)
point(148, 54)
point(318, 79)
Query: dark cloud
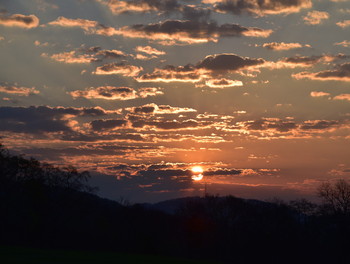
point(209, 67)
point(260, 7)
point(122, 68)
point(227, 63)
point(318, 124)
point(42, 118)
point(189, 32)
point(106, 124)
point(166, 7)
point(340, 73)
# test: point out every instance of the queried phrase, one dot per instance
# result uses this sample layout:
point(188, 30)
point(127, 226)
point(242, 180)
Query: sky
point(138, 92)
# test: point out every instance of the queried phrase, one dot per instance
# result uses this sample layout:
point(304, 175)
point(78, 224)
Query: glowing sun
point(197, 173)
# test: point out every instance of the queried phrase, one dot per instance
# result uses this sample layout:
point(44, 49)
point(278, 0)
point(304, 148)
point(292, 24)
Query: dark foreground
point(54, 211)
point(12, 255)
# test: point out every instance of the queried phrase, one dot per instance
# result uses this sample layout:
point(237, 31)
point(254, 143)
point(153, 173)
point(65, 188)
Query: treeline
point(49, 207)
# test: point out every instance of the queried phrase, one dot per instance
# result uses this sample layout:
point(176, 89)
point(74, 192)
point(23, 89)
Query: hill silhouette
point(47, 207)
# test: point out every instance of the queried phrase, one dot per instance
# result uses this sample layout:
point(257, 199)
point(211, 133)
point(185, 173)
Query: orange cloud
point(21, 91)
point(71, 57)
point(319, 94)
point(340, 73)
point(116, 93)
point(343, 24)
point(222, 83)
point(342, 97)
point(149, 50)
point(18, 20)
point(315, 17)
point(89, 26)
point(284, 46)
point(345, 43)
point(118, 68)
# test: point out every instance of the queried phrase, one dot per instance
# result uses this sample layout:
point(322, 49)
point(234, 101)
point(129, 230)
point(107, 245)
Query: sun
point(197, 173)
point(197, 170)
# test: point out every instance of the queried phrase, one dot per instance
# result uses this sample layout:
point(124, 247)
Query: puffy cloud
point(43, 119)
point(315, 17)
point(106, 92)
point(222, 83)
point(259, 7)
point(116, 93)
point(340, 73)
point(342, 97)
point(210, 66)
point(319, 94)
point(121, 68)
point(89, 26)
point(21, 91)
point(107, 124)
point(18, 20)
point(228, 62)
point(150, 91)
point(344, 24)
point(345, 43)
point(149, 50)
point(171, 32)
point(284, 46)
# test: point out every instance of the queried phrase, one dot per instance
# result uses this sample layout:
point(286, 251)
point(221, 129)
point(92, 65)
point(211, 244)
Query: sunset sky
point(138, 92)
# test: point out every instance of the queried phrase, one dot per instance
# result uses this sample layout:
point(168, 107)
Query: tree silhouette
point(336, 196)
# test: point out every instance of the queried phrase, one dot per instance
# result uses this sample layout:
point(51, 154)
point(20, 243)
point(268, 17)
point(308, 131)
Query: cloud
point(222, 83)
point(106, 92)
point(149, 50)
point(121, 68)
point(116, 93)
point(340, 73)
point(89, 55)
point(71, 57)
point(307, 61)
point(210, 66)
point(284, 46)
point(21, 91)
point(107, 124)
point(141, 6)
point(259, 7)
point(89, 26)
point(315, 17)
point(43, 119)
point(343, 24)
point(319, 94)
point(171, 32)
point(345, 43)
point(150, 91)
point(159, 109)
point(18, 20)
point(190, 12)
point(342, 97)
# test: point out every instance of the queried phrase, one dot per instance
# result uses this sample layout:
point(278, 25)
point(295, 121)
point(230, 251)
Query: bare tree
point(336, 196)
